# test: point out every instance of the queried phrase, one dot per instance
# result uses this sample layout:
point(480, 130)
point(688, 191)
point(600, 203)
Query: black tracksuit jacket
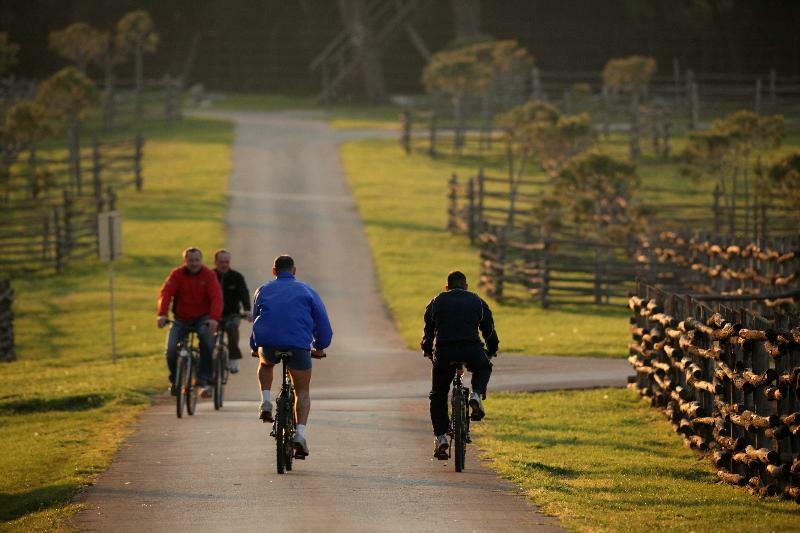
point(454, 317)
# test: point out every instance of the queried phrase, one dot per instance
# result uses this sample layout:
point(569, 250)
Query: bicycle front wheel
point(459, 436)
point(191, 388)
point(181, 383)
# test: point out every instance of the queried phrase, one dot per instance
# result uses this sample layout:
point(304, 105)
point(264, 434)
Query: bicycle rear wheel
point(281, 434)
point(459, 438)
point(180, 383)
point(219, 375)
point(191, 388)
point(290, 429)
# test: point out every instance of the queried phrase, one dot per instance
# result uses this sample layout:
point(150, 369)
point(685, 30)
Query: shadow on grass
point(403, 225)
point(13, 506)
point(81, 402)
point(556, 471)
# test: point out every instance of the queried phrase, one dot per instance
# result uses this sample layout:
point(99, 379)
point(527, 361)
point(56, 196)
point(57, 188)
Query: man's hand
point(212, 325)
point(318, 354)
point(491, 355)
point(249, 316)
point(429, 355)
point(161, 322)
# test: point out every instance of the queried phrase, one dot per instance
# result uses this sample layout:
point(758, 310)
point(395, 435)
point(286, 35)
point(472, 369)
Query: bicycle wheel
point(219, 370)
point(191, 388)
point(280, 433)
point(180, 383)
point(290, 429)
point(459, 439)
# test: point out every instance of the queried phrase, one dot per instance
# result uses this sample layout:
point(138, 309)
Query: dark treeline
point(268, 44)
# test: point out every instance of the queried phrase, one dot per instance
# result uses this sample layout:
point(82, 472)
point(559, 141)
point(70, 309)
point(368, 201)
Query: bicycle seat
point(281, 354)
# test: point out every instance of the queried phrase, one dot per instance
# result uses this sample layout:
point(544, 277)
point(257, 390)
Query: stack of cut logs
point(728, 380)
point(706, 264)
point(6, 322)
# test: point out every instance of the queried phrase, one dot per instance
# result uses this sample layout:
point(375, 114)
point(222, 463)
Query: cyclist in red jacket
point(196, 296)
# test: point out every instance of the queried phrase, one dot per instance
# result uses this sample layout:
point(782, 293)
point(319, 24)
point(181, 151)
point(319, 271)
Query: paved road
point(369, 434)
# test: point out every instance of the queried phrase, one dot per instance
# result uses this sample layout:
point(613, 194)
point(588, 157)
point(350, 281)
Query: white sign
point(109, 225)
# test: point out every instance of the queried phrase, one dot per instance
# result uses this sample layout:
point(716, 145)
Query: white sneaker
point(300, 447)
point(441, 444)
point(233, 366)
point(476, 404)
point(265, 412)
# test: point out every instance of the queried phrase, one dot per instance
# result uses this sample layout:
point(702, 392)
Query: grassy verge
point(402, 201)
point(624, 470)
point(64, 407)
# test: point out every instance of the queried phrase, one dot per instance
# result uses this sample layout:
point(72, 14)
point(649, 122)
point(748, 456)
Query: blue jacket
point(287, 313)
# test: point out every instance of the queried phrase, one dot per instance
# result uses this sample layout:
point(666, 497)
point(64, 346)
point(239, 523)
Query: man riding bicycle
point(235, 296)
point(452, 321)
point(197, 306)
point(289, 315)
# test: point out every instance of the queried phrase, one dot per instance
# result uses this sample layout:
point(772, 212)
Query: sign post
point(109, 225)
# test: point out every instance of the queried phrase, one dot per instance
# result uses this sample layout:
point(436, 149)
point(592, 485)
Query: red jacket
point(195, 294)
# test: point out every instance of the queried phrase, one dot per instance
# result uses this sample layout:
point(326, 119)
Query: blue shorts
point(300, 359)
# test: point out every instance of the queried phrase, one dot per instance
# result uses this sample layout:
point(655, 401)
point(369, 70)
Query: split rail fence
point(561, 265)
point(6, 321)
point(729, 381)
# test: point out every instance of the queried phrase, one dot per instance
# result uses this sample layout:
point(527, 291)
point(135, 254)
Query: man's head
point(193, 259)
point(222, 260)
point(283, 263)
point(456, 280)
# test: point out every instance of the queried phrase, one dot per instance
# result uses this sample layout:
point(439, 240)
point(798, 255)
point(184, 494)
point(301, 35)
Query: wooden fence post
point(536, 82)
point(694, 107)
point(33, 179)
point(635, 149)
point(452, 210)
point(471, 210)
point(137, 161)
point(111, 198)
point(773, 104)
point(405, 138)
point(676, 78)
point(67, 232)
point(432, 129)
point(96, 169)
point(545, 271)
point(58, 238)
point(757, 103)
point(479, 211)
point(7, 352)
point(715, 208)
point(500, 265)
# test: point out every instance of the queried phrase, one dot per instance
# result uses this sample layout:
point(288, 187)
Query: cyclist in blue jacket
point(289, 315)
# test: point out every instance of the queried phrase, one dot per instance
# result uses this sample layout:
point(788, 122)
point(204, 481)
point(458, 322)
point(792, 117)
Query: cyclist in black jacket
point(236, 297)
point(452, 321)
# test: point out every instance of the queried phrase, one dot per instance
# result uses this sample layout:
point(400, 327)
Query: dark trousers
point(443, 372)
point(178, 332)
point(232, 332)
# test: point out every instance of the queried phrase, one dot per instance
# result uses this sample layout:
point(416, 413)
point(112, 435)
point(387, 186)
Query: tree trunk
point(354, 16)
point(139, 81)
point(466, 18)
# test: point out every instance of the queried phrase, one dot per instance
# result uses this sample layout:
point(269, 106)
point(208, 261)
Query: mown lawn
point(402, 201)
point(64, 407)
point(603, 460)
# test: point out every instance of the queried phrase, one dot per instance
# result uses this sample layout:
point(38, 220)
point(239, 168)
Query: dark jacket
point(234, 292)
point(454, 317)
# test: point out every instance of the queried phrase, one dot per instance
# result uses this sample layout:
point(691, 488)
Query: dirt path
point(369, 433)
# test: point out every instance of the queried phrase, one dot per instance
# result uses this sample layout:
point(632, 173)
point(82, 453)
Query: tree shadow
point(15, 505)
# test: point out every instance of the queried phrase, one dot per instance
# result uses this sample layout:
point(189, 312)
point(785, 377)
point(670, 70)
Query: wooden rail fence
point(727, 379)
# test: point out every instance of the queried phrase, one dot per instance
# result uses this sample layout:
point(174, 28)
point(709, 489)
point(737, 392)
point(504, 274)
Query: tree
point(136, 35)
point(630, 75)
point(26, 123)
point(538, 129)
point(784, 178)
point(65, 97)
point(457, 73)
point(8, 53)
point(79, 43)
point(596, 190)
point(725, 151)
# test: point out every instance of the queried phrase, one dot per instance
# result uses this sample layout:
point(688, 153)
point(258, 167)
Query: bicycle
point(186, 374)
point(459, 418)
point(285, 421)
point(221, 361)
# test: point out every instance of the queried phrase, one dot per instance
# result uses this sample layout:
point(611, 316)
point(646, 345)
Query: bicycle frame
point(459, 419)
point(283, 428)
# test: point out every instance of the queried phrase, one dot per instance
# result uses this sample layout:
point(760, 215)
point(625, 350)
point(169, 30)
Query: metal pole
point(111, 289)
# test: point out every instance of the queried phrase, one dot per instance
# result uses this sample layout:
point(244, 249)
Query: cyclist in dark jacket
point(452, 322)
point(236, 297)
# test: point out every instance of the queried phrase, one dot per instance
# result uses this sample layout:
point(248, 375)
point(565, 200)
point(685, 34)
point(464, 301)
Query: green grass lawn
point(402, 201)
point(64, 407)
point(603, 460)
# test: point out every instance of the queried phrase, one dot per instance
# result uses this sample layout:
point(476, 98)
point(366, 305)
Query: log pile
point(6, 322)
point(728, 380)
